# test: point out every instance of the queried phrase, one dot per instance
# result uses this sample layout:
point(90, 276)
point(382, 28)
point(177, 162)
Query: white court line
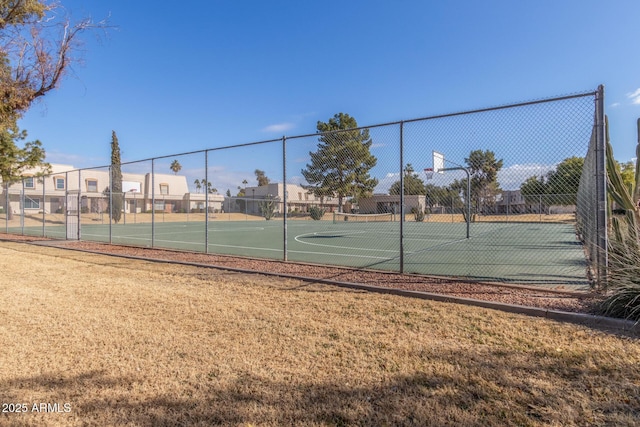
point(335, 246)
point(342, 255)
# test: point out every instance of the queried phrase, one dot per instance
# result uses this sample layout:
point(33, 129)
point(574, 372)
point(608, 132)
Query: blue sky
point(174, 78)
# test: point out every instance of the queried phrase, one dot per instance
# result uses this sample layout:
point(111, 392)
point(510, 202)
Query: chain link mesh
point(530, 197)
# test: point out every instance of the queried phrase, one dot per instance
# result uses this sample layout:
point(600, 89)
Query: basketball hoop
point(428, 172)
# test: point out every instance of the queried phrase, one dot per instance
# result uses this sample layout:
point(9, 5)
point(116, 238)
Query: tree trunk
point(6, 204)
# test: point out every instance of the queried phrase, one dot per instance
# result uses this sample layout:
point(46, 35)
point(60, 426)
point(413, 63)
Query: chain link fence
point(517, 201)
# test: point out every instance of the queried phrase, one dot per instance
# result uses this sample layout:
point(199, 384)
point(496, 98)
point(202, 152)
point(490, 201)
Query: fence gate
point(73, 215)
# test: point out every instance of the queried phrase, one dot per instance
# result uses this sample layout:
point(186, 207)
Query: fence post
point(285, 254)
point(80, 204)
point(540, 206)
point(110, 204)
point(8, 206)
point(66, 204)
point(44, 205)
point(206, 203)
point(401, 197)
point(153, 203)
point(22, 209)
point(601, 193)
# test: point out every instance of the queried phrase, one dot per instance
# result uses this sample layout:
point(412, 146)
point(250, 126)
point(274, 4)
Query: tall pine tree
point(340, 167)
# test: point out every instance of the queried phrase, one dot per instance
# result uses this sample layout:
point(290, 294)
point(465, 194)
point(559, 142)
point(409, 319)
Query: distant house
point(513, 202)
point(383, 203)
point(298, 199)
point(164, 192)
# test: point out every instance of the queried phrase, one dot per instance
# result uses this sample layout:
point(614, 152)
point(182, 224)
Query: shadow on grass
point(489, 387)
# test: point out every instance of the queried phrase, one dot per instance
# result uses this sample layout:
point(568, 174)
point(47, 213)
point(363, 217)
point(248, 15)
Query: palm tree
point(175, 167)
point(198, 185)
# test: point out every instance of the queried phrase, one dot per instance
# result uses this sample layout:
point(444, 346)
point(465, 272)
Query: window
point(29, 182)
point(30, 203)
point(59, 183)
point(164, 188)
point(92, 185)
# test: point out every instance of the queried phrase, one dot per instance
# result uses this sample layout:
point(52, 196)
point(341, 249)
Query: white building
point(169, 193)
point(383, 203)
point(298, 199)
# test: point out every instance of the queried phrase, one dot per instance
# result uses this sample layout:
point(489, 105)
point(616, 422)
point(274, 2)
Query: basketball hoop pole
point(461, 168)
point(438, 166)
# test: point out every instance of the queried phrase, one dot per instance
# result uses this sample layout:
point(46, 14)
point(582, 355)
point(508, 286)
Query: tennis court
point(541, 254)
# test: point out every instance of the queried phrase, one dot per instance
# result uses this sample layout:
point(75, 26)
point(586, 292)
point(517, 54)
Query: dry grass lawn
point(109, 341)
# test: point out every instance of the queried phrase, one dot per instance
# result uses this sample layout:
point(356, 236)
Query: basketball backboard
point(438, 162)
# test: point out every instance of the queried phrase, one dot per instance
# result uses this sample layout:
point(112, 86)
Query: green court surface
point(540, 254)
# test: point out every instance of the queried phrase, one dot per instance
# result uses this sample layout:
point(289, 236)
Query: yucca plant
point(624, 279)
point(624, 246)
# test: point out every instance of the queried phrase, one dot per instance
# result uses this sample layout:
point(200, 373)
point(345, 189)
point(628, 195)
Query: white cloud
point(512, 177)
point(278, 127)
point(615, 104)
point(385, 183)
point(634, 96)
point(296, 180)
point(509, 178)
point(77, 161)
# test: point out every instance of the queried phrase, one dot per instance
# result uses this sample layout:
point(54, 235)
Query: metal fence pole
point(79, 204)
point(285, 199)
point(153, 203)
point(44, 213)
point(22, 209)
point(540, 206)
point(206, 203)
point(468, 200)
point(66, 204)
point(6, 214)
point(110, 203)
point(401, 197)
point(601, 195)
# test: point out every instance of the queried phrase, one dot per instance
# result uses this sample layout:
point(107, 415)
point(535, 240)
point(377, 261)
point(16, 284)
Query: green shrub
point(418, 214)
point(316, 213)
point(624, 280)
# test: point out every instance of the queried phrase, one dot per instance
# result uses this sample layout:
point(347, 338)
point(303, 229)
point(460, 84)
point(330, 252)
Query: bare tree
point(38, 46)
